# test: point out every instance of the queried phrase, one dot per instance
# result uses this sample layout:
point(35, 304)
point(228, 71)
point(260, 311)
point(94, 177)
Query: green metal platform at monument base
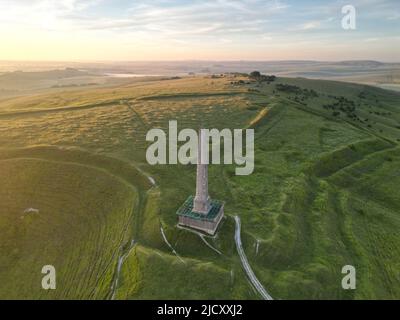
point(186, 210)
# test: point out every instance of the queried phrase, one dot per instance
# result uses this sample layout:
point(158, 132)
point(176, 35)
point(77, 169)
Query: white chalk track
point(245, 263)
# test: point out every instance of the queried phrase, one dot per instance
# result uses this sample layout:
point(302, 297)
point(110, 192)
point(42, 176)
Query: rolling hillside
point(323, 193)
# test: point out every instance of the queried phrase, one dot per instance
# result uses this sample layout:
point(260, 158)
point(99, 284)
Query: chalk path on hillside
point(245, 263)
point(121, 261)
point(170, 246)
point(123, 256)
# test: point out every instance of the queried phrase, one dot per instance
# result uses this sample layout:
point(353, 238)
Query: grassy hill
point(52, 214)
point(323, 193)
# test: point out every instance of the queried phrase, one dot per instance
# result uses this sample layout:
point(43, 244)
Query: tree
point(255, 75)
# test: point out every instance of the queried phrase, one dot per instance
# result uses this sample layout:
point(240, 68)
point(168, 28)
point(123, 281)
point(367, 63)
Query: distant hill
point(22, 81)
point(359, 71)
point(42, 75)
point(76, 74)
point(362, 63)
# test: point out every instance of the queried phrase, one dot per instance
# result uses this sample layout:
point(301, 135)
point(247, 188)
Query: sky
point(131, 30)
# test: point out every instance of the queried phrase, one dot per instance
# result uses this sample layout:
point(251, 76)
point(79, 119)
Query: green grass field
point(323, 193)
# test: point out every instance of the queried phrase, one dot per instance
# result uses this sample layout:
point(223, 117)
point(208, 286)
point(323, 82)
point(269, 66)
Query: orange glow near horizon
point(93, 30)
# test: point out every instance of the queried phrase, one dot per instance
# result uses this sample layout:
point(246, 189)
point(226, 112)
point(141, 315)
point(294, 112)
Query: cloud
point(198, 17)
point(394, 17)
point(310, 25)
point(371, 40)
point(267, 37)
point(42, 13)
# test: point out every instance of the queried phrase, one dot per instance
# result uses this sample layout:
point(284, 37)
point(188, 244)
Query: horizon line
point(196, 60)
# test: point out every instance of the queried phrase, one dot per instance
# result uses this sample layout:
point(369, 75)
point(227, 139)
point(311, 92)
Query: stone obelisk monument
point(201, 202)
point(200, 212)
